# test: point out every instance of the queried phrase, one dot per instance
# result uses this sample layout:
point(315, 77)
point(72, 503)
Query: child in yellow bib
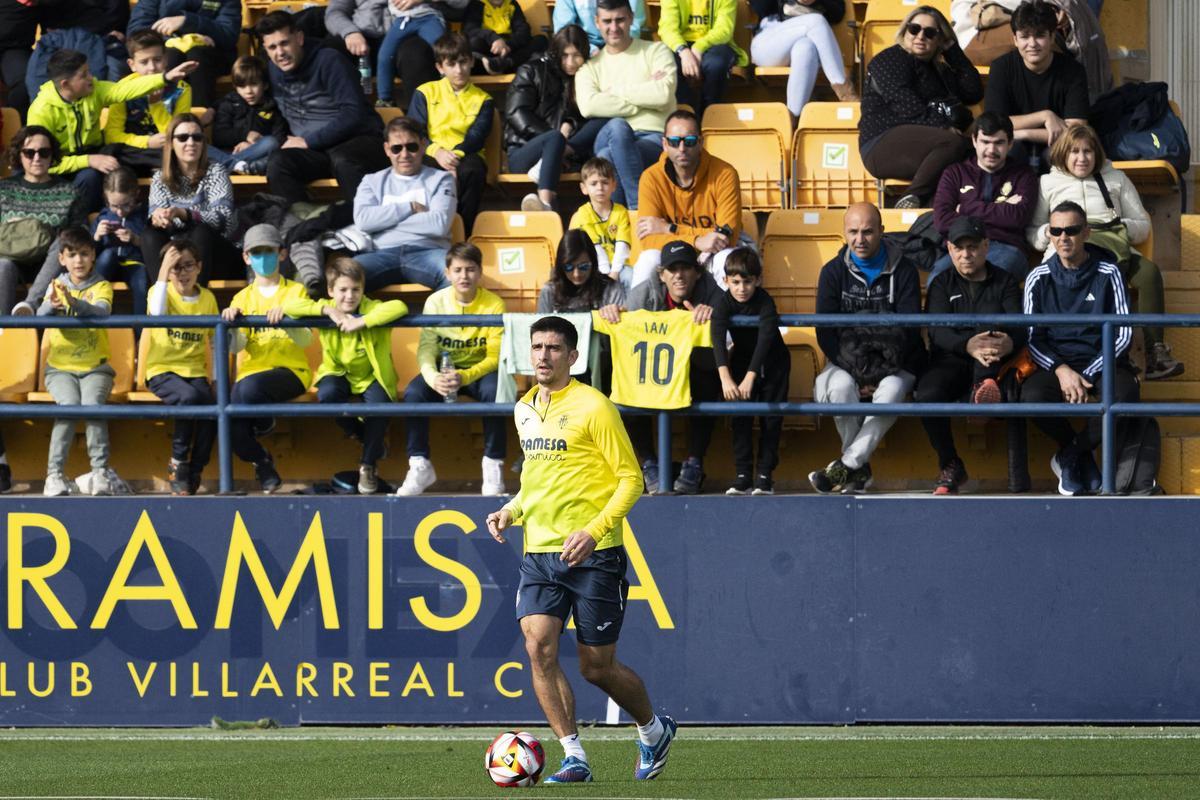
point(177, 361)
point(274, 368)
point(356, 357)
point(77, 368)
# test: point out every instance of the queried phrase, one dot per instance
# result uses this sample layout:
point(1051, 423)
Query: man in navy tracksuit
point(1079, 279)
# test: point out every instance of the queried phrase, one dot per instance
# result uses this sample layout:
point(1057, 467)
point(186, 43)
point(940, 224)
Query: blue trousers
point(714, 74)
point(273, 386)
point(192, 441)
point(630, 152)
point(429, 27)
point(109, 267)
point(549, 148)
point(495, 429)
point(369, 430)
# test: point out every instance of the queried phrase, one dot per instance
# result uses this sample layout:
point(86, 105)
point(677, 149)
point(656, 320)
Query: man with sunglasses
point(1078, 279)
point(690, 195)
point(407, 209)
point(633, 82)
point(1042, 91)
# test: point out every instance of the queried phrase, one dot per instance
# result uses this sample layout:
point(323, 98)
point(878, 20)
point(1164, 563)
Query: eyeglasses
point(409, 147)
point(1070, 230)
point(184, 137)
point(125, 207)
point(36, 152)
point(185, 266)
point(582, 266)
point(915, 30)
point(686, 141)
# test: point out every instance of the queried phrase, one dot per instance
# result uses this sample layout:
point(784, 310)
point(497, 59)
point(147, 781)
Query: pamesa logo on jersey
point(537, 443)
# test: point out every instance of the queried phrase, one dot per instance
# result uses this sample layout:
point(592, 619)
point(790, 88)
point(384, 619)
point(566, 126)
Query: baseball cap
point(678, 252)
point(262, 235)
point(966, 228)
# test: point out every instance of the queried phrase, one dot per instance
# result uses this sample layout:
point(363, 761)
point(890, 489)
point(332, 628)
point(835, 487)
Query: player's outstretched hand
point(498, 521)
point(576, 549)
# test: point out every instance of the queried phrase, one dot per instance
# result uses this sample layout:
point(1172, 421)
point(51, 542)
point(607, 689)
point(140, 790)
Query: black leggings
point(918, 154)
point(948, 380)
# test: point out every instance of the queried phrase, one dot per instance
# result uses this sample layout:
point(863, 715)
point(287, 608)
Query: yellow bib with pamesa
point(80, 349)
point(183, 351)
point(498, 19)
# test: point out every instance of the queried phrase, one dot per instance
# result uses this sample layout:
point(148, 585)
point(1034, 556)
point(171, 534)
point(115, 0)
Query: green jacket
point(340, 349)
point(722, 14)
point(76, 125)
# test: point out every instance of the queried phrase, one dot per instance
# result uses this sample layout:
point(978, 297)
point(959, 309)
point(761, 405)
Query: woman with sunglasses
point(799, 34)
point(1081, 173)
point(192, 197)
point(34, 207)
point(542, 123)
point(914, 107)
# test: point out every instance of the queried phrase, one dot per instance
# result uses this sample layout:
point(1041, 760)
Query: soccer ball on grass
point(514, 758)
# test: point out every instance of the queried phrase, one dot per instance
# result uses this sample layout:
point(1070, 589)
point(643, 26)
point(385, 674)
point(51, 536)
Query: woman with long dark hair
point(576, 283)
point(542, 123)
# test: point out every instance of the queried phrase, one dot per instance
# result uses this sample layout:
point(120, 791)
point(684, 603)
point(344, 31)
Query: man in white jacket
point(407, 209)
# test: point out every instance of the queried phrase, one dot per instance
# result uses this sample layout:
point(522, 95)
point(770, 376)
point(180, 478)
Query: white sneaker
point(419, 478)
point(368, 480)
point(23, 309)
point(531, 202)
point(103, 482)
point(240, 168)
point(493, 477)
point(59, 485)
point(535, 172)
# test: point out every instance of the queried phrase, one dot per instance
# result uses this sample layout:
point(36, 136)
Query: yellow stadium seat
point(19, 367)
point(754, 138)
point(807, 363)
point(387, 114)
point(518, 253)
point(1189, 248)
point(537, 14)
point(884, 18)
point(900, 219)
point(10, 123)
point(750, 226)
point(1150, 176)
point(120, 345)
point(827, 169)
point(404, 355)
point(795, 245)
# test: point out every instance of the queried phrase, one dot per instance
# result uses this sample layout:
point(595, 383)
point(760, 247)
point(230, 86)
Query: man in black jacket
point(868, 276)
point(967, 358)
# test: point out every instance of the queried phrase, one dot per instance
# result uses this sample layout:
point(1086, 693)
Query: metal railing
point(223, 410)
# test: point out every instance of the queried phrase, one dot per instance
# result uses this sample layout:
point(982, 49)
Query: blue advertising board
point(158, 611)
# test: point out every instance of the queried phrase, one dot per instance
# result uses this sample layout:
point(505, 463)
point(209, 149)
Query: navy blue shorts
point(595, 592)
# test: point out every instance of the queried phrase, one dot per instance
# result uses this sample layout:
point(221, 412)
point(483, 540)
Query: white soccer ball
point(514, 758)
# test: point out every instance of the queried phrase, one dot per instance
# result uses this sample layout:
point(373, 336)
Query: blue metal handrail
point(223, 411)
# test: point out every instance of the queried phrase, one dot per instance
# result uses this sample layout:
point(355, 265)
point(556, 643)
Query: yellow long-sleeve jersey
point(475, 351)
point(580, 471)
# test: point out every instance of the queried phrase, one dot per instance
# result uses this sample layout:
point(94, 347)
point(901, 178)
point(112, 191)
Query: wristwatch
point(672, 227)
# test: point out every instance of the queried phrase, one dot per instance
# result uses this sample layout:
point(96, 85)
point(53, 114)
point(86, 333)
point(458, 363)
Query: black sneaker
point(179, 477)
point(741, 484)
point(764, 485)
point(831, 479)
point(262, 426)
point(952, 476)
point(268, 478)
point(650, 475)
point(5, 478)
point(858, 481)
point(691, 476)
point(194, 474)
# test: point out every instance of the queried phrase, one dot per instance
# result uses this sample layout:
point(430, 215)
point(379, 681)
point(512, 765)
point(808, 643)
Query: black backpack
point(921, 243)
point(1135, 122)
point(1139, 446)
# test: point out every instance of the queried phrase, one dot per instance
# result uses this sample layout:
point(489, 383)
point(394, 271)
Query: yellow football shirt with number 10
point(651, 353)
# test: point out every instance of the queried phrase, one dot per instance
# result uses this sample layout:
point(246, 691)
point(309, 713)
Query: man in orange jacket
point(689, 195)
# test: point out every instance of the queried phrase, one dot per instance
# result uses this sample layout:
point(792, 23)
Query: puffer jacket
point(221, 20)
point(1058, 186)
point(540, 98)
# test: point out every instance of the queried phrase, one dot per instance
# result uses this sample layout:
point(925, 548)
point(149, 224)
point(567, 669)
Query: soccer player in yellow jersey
point(275, 367)
point(177, 361)
point(579, 481)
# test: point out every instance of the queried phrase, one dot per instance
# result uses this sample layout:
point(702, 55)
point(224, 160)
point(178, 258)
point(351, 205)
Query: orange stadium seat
point(518, 253)
point(120, 345)
point(404, 355)
point(900, 219)
point(795, 245)
point(827, 169)
point(754, 138)
point(807, 362)
point(19, 367)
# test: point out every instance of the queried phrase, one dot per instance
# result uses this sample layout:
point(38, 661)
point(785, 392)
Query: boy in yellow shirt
point(356, 357)
point(606, 222)
point(177, 362)
point(457, 361)
point(77, 368)
point(275, 368)
point(139, 126)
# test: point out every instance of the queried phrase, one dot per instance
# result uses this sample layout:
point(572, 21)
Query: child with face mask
point(274, 368)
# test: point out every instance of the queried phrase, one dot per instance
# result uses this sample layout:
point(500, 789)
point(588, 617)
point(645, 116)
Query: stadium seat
point(19, 367)
point(896, 220)
point(10, 123)
point(807, 362)
point(518, 253)
point(404, 355)
point(754, 138)
point(537, 14)
point(750, 226)
point(120, 345)
point(827, 169)
point(795, 245)
point(1189, 248)
point(883, 19)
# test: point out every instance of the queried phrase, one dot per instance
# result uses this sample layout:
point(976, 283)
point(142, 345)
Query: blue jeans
point(90, 185)
point(714, 74)
point(369, 430)
point(405, 263)
point(429, 27)
point(255, 155)
point(549, 147)
point(495, 429)
point(109, 267)
point(1011, 259)
point(630, 152)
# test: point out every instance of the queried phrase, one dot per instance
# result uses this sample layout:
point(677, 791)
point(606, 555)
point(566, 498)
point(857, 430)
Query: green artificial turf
point(1007, 762)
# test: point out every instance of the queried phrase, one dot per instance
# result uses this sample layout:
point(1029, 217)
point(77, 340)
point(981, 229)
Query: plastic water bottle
point(447, 367)
point(364, 73)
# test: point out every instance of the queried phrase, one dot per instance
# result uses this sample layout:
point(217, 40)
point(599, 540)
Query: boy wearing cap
point(965, 360)
point(275, 367)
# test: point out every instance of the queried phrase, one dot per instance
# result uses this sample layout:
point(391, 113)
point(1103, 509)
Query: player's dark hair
point(1070, 207)
point(576, 247)
point(273, 23)
point(989, 123)
point(464, 251)
point(684, 114)
point(77, 239)
point(1037, 16)
point(744, 263)
point(63, 64)
point(451, 48)
point(613, 5)
point(556, 325)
